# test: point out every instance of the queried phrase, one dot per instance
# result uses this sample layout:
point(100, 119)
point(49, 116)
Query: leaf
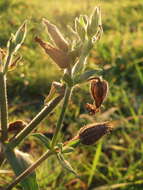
point(65, 164)
point(67, 150)
point(19, 162)
point(85, 76)
point(43, 139)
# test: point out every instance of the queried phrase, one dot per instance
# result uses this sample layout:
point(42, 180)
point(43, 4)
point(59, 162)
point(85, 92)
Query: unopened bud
point(16, 40)
point(79, 29)
point(58, 56)
point(94, 22)
point(99, 90)
point(56, 89)
point(21, 33)
point(56, 35)
point(90, 134)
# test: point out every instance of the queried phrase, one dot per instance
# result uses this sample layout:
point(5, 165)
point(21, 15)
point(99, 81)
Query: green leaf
point(85, 76)
point(67, 150)
point(19, 162)
point(43, 139)
point(65, 164)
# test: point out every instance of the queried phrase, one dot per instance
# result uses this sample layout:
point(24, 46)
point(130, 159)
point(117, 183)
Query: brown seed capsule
point(90, 134)
point(58, 56)
point(56, 36)
point(16, 126)
point(99, 90)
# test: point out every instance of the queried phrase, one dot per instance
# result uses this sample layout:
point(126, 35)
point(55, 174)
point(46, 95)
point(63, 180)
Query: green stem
point(2, 157)
point(30, 169)
point(3, 107)
point(33, 124)
point(8, 61)
point(62, 114)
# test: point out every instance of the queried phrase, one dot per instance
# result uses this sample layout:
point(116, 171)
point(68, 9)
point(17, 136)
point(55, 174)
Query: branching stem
point(33, 124)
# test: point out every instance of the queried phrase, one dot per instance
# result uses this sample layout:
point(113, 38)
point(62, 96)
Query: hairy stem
point(30, 169)
point(33, 124)
point(3, 107)
point(62, 114)
point(8, 61)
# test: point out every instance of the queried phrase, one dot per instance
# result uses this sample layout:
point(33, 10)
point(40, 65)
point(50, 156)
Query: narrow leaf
point(85, 76)
point(43, 139)
point(65, 164)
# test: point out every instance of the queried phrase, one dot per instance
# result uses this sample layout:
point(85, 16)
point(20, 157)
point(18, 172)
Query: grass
point(120, 54)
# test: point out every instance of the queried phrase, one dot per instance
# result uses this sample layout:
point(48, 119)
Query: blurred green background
point(117, 160)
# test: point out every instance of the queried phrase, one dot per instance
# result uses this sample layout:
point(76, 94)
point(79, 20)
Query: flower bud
point(58, 56)
point(90, 134)
point(94, 22)
point(16, 40)
point(56, 89)
point(21, 33)
point(56, 36)
point(99, 90)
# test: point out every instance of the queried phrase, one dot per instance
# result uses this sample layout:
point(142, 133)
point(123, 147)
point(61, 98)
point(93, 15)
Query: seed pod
point(56, 35)
point(90, 134)
point(16, 126)
point(99, 90)
point(58, 56)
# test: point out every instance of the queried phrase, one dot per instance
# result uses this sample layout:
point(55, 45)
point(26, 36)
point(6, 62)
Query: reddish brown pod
point(99, 89)
point(90, 134)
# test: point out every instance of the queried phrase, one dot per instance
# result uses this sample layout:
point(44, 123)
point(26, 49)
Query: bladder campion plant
point(71, 58)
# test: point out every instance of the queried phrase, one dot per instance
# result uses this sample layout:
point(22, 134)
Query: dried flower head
point(59, 57)
point(99, 90)
point(90, 134)
point(56, 35)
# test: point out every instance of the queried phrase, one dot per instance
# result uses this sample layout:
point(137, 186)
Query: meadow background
point(117, 160)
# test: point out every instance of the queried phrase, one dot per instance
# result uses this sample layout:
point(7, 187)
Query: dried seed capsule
point(99, 90)
point(58, 56)
point(56, 36)
point(89, 134)
point(16, 126)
